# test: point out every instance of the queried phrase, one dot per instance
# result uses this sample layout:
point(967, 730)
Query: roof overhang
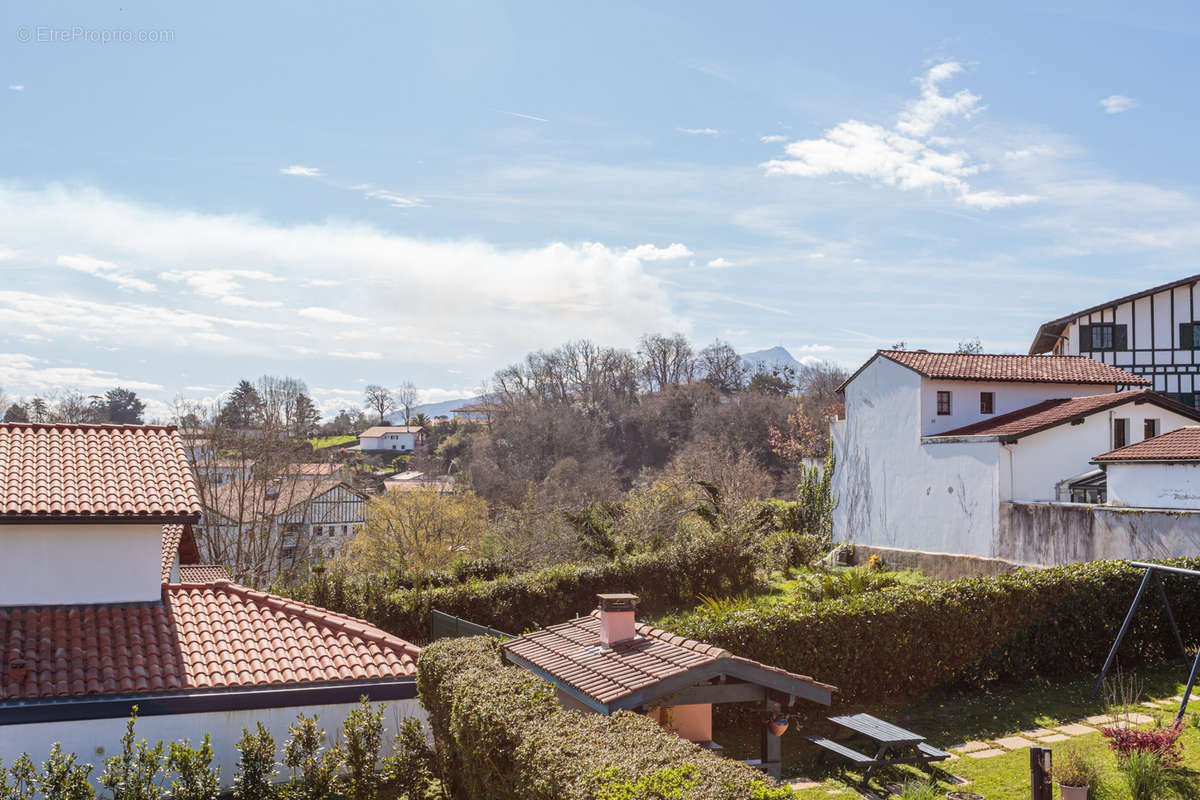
point(74, 709)
point(97, 519)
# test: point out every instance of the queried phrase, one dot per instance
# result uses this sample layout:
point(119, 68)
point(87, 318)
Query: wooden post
point(1040, 785)
point(772, 750)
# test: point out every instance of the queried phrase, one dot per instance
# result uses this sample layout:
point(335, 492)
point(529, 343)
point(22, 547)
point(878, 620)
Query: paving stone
point(1140, 719)
point(972, 747)
point(1100, 719)
point(1058, 737)
point(1038, 733)
point(1075, 729)
point(989, 753)
point(1150, 704)
point(1014, 742)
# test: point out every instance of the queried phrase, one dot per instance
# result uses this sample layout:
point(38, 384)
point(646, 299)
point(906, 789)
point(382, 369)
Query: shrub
point(920, 790)
point(410, 769)
point(255, 776)
point(363, 735)
point(195, 777)
point(716, 564)
point(897, 643)
point(1145, 776)
point(133, 774)
point(789, 548)
point(24, 783)
point(503, 736)
point(1162, 743)
point(63, 779)
point(855, 580)
point(314, 767)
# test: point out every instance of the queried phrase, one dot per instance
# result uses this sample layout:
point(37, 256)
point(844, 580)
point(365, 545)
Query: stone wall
point(943, 566)
point(1062, 533)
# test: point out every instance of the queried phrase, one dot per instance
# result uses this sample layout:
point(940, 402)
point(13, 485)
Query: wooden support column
point(772, 750)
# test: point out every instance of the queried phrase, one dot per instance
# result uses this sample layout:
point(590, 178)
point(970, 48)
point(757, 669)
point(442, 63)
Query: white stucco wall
point(1040, 461)
point(93, 741)
point(893, 491)
point(1154, 485)
point(1008, 397)
point(400, 442)
point(73, 564)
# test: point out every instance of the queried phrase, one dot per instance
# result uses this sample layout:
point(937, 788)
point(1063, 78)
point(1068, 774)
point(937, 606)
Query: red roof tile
point(202, 573)
point(1049, 413)
point(1008, 368)
point(171, 535)
point(1182, 444)
point(90, 471)
point(199, 637)
point(571, 653)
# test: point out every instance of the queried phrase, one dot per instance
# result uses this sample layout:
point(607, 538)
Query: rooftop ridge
point(167, 427)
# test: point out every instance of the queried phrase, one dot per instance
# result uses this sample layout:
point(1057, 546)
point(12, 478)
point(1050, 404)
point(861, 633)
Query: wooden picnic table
point(895, 744)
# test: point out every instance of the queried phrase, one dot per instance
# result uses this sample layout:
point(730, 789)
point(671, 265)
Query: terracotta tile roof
point(171, 535)
point(1182, 444)
point(1006, 368)
point(200, 637)
point(571, 653)
point(91, 471)
point(202, 573)
point(246, 501)
point(315, 468)
point(380, 430)
point(1049, 413)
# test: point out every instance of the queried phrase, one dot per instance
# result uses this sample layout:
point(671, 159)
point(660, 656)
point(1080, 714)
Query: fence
point(448, 626)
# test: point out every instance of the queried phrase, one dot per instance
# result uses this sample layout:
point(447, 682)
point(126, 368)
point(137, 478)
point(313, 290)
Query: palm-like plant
point(855, 580)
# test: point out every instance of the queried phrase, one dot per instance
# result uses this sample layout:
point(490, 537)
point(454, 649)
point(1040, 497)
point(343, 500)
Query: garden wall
point(1058, 533)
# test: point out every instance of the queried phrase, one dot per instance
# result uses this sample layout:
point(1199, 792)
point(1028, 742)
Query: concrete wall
point(93, 741)
point(1063, 533)
point(73, 564)
point(894, 492)
point(964, 398)
point(1154, 485)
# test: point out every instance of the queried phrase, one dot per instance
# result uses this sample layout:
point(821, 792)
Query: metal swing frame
point(1152, 576)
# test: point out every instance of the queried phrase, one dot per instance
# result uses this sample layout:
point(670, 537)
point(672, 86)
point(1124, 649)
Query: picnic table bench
point(895, 744)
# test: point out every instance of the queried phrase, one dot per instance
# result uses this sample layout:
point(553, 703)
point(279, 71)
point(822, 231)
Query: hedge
point(896, 644)
point(503, 736)
point(665, 580)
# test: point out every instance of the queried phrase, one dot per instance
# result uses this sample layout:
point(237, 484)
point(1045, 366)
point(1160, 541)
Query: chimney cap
point(617, 602)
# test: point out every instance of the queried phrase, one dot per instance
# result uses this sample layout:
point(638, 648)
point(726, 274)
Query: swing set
point(1152, 576)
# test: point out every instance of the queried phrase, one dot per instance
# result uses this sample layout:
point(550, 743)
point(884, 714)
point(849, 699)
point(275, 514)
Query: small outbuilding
point(1160, 472)
point(608, 662)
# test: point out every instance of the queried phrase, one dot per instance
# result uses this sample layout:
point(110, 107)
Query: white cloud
point(1118, 103)
point(525, 116)
point(394, 199)
point(319, 283)
point(16, 87)
point(304, 172)
point(699, 131)
point(812, 348)
point(649, 252)
point(25, 374)
point(330, 315)
point(364, 355)
point(1034, 151)
point(105, 270)
point(224, 285)
point(720, 263)
point(775, 137)
point(6, 254)
point(905, 157)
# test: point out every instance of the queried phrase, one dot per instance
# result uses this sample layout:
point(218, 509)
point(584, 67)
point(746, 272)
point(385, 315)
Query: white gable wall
point(894, 492)
point(1154, 485)
point(75, 564)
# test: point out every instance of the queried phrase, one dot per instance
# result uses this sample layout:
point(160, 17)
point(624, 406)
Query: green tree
point(195, 776)
point(314, 767)
point(16, 413)
point(256, 770)
point(122, 406)
point(243, 408)
point(63, 779)
point(133, 774)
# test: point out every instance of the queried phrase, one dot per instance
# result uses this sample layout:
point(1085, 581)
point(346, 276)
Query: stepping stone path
point(1075, 729)
point(989, 753)
point(1100, 719)
point(1014, 742)
point(972, 747)
point(802, 783)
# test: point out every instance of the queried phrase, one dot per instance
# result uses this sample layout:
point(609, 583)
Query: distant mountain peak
point(772, 356)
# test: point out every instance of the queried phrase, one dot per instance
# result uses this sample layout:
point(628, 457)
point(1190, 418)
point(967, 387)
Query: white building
point(95, 617)
point(1153, 333)
point(401, 438)
point(934, 443)
point(1163, 472)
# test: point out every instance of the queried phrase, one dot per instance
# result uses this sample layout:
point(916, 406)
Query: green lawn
point(951, 718)
point(330, 441)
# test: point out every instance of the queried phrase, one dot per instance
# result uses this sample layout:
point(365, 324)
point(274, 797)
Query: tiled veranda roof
point(89, 471)
point(210, 636)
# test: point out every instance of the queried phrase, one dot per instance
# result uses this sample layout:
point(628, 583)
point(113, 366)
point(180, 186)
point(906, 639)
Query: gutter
point(75, 709)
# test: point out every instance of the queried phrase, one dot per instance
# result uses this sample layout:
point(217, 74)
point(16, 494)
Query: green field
point(331, 441)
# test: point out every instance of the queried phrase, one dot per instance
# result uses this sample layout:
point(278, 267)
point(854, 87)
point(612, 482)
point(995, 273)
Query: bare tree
point(380, 400)
point(666, 360)
point(972, 346)
point(722, 367)
point(406, 397)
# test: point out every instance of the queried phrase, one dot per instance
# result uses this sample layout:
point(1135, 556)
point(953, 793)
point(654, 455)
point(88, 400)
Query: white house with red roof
point(1162, 472)
point(99, 612)
point(935, 447)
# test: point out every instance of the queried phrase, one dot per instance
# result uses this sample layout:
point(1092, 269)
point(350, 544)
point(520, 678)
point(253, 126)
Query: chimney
point(616, 618)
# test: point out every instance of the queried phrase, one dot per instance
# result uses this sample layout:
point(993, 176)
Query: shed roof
point(1182, 444)
point(379, 430)
point(637, 672)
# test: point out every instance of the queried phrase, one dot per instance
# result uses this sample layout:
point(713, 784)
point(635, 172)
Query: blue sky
point(357, 194)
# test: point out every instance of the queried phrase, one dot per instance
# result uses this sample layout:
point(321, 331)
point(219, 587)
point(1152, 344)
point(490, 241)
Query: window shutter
point(1120, 337)
point(1085, 338)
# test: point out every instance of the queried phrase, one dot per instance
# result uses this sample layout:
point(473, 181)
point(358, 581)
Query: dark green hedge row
point(503, 736)
point(892, 645)
point(672, 578)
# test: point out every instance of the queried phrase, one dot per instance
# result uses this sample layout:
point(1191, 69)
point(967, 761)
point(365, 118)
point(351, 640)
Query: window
point(1187, 398)
point(343, 530)
point(317, 530)
point(943, 403)
point(1150, 429)
point(1120, 433)
point(987, 402)
point(1189, 336)
point(1105, 336)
